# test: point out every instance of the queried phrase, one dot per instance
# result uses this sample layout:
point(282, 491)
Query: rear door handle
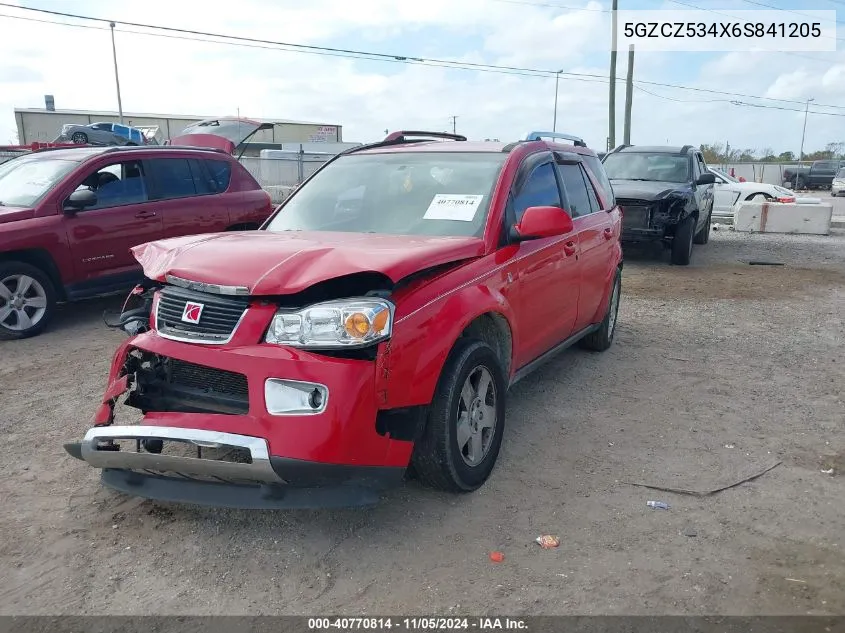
point(145, 214)
point(569, 249)
point(608, 233)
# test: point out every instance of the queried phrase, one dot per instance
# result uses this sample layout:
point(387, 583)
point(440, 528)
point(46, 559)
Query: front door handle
point(145, 214)
point(569, 249)
point(608, 233)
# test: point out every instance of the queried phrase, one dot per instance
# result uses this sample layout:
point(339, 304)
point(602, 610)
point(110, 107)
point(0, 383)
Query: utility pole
point(612, 100)
point(454, 118)
point(806, 111)
point(557, 82)
point(116, 76)
point(629, 94)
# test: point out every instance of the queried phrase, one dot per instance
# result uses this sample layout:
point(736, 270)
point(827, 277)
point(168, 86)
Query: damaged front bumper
point(649, 221)
point(258, 481)
point(209, 439)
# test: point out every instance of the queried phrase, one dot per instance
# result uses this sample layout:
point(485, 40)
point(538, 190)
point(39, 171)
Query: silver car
point(102, 134)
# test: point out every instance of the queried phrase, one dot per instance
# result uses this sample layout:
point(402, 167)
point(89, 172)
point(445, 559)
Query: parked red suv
point(68, 217)
point(375, 321)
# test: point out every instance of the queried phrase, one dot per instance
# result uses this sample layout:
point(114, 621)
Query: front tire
point(27, 300)
point(80, 138)
point(602, 338)
point(682, 242)
point(703, 236)
point(466, 420)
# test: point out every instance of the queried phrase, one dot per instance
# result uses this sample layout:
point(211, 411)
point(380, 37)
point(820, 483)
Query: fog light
point(293, 397)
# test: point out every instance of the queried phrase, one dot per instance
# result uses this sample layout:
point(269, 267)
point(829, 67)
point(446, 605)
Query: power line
point(198, 36)
point(768, 6)
point(552, 6)
point(771, 107)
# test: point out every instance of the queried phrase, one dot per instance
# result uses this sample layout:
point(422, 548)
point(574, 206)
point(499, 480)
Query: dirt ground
point(718, 370)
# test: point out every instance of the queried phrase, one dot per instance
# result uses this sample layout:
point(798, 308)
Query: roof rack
point(405, 136)
point(685, 149)
point(619, 148)
point(538, 136)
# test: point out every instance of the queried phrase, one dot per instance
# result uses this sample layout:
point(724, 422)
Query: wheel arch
point(42, 260)
point(422, 345)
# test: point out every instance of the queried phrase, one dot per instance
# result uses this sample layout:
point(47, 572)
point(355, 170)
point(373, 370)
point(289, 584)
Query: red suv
point(68, 217)
point(376, 321)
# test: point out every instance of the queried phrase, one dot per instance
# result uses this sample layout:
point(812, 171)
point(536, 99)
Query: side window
point(203, 182)
point(107, 127)
point(591, 191)
point(220, 171)
point(595, 166)
point(539, 190)
point(117, 185)
point(172, 178)
point(701, 164)
point(577, 196)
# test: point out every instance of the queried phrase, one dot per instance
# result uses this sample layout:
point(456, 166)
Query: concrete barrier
point(775, 217)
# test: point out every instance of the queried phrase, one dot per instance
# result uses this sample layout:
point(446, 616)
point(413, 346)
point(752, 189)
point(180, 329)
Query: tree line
point(724, 153)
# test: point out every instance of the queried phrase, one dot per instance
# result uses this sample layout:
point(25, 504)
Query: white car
point(837, 187)
point(727, 191)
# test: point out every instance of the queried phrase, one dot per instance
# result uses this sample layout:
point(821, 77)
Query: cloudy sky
point(178, 76)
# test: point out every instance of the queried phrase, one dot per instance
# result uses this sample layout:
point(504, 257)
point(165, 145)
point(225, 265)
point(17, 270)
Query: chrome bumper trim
point(259, 470)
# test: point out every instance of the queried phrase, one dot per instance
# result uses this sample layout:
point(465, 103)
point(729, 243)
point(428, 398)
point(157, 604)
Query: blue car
point(102, 134)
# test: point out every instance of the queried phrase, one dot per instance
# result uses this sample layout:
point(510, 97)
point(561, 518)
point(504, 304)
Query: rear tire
point(27, 300)
point(703, 236)
point(455, 435)
point(602, 338)
point(80, 138)
point(682, 242)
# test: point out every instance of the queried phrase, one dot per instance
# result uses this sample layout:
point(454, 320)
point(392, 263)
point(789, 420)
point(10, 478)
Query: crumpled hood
point(646, 190)
point(291, 261)
point(13, 214)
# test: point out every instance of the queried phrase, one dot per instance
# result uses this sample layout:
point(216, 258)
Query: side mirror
point(538, 222)
point(706, 179)
point(78, 200)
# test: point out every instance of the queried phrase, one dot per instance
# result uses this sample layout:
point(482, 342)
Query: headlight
point(333, 324)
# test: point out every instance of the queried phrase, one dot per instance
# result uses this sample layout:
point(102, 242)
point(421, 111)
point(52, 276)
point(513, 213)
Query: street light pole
point(557, 81)
point(804, 131)
point(116, 76)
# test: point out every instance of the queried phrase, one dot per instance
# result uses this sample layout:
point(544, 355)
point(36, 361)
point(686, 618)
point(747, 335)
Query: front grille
point(169, 384)
point(635, 216)
point(218, 319)
point(208, 379)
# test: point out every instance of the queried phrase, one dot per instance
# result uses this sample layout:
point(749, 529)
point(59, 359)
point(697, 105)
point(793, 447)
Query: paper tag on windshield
point(446, 206)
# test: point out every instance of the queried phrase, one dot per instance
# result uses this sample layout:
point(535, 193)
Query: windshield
point(722, 174)
point(645, 166)
point(402, 193)
point(24, 181)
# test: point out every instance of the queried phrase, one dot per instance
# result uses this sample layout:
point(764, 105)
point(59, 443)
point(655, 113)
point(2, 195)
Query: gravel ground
point(718, 370)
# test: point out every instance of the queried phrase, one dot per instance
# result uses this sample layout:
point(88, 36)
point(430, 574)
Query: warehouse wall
point(45, 126)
